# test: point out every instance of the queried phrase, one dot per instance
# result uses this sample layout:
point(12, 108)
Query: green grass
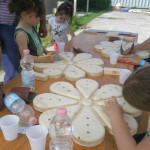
point(76, 24)
point(82, 21)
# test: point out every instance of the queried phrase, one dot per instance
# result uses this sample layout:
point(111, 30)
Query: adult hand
point(131, 58)
point(42, 30)
point(112, 109)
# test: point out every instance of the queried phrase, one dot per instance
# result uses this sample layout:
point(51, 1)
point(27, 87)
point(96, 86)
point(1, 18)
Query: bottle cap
point(55, 46)
point(26, 51)
point(61, 111)
point(32, 120)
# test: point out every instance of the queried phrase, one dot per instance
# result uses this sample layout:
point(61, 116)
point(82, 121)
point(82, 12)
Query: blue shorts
point(10, 52)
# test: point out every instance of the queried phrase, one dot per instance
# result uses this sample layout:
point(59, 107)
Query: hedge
point(93, 4)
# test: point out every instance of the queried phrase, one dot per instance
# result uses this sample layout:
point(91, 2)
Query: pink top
point(61, 111)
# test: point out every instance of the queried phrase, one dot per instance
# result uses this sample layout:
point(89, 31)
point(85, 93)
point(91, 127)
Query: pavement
point(123, 21)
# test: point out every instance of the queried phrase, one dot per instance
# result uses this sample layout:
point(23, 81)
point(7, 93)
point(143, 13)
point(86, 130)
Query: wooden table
point(21, 143)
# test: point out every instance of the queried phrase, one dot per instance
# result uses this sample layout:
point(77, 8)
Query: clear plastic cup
point(9, 126)
point(113, 58)
point(37, 137)
point(123, 75)
point(61, 46)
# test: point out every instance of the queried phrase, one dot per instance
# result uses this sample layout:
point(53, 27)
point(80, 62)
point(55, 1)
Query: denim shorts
point(10, 52)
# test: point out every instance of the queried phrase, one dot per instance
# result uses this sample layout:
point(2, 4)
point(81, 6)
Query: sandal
point(24, 93)
point(2, 95)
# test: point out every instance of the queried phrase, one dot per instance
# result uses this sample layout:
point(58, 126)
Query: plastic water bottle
point(27, 73)
point(60, 131)
point(17, 106)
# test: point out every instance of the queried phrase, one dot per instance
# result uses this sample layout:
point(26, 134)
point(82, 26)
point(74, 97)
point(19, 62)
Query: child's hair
point(65, 8)
point(19, 6)
point(136, 89)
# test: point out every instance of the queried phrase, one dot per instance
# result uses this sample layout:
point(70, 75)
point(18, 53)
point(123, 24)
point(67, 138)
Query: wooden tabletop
point(87, 44)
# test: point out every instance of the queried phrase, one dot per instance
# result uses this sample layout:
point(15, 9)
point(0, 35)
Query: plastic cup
point(37, 137)
point(123, 75)
point(9, 126)
point(113, 58)
point(61, 46)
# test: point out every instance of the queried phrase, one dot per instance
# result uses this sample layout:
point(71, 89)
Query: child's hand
point(112, 109)
point(52, 56)
point(68, 46)
point(52, 41)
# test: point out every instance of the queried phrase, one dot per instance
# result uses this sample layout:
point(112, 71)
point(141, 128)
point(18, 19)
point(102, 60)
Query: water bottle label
point(28, 81)
point(10, 99)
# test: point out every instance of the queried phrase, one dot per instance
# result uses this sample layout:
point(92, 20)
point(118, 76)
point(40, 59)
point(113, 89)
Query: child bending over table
point(136, 91)
point(59, 24)
point(26, 36)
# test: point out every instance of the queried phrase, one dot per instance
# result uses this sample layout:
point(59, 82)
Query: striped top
point(5, 16)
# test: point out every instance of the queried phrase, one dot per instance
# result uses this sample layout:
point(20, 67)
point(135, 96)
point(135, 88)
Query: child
point(59, 24)
point(26, 36)
point(136, 91)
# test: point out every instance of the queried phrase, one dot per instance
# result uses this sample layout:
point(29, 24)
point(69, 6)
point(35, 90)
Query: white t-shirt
point(59, 30)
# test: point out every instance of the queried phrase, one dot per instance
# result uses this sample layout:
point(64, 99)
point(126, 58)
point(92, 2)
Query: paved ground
point(123, 21)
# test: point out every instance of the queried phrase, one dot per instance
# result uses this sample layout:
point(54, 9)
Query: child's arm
point(21, 40)
point(49, 58)
point(22, 44)
point(69, 45)
point(123, 138)
point(70, 32)
point(49, 34)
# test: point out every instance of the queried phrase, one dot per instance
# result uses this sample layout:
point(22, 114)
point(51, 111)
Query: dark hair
point(65, 8)
point(136, 89)
point(19, 6)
